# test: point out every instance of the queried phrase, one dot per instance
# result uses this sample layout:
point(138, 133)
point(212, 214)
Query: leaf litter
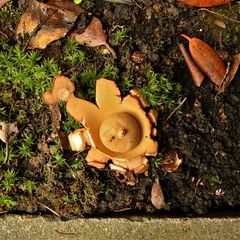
point(207, 59)
point(8, 131)
point(157, 197)
point(47, 22)
point(43, 23)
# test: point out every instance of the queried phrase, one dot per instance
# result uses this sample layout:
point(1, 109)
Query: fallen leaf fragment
point(206, 59)
point(219, 192)
point(196, 73)
point(171, 162)
point(157, 197)
point(3, 2)
point(231, 73)
point(204, 3)
point(93, 36)
point(222, 114)
point(8, 131)
point(219, 23)
point(47, 22)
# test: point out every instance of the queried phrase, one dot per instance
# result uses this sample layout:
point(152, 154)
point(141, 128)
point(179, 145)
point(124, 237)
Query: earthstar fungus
point(115, 128)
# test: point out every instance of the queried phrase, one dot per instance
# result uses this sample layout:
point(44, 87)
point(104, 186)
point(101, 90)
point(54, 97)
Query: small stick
point(3, 2)
point(37, 28)
point(197, 75)
point(45, 206)
point(230, 73)
point(183, 101)
point(223, 82)
point(219, 14)
point(3, 34)
point(7, 153)
point(122, 210)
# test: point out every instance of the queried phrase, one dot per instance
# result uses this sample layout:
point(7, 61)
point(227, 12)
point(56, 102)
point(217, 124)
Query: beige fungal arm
point(82, 110)
point(107, 94)
point(63, 87)
point(79, 140)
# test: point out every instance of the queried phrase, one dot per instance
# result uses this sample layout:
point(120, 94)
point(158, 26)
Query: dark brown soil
point(206, 135)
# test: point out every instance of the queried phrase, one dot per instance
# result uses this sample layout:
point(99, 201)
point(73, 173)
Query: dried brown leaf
point(171, 162)
point(93, 36)
point(47, 22)
point(204, 3)
point(207, 59)
point(157, 197)
point(196, 73)
point(8, 131)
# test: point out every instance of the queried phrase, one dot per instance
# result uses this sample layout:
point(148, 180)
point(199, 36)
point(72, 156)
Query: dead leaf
point(222, 114)
point(206, 59)
point(93, 36)
point(231, 73)
point(196, 73)
point(157, 197)
point(204, 3)
point(47, 22)
point(3, 2)
point(8, 131)
point(171, 162)
point(219, 23)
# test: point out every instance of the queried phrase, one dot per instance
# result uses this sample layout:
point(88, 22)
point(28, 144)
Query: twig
point(7, 153)
point(183, 101)
point(2, 2)
point(221, 86)
point(219, 14)
point(45, 206)
point(3, 34)
point(198, 183)
point(122, 210)
point(38, 27)
point(197, 75)
point(136, 4)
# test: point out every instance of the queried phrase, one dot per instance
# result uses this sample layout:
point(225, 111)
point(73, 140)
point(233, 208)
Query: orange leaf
point(197, 75)
point(204, 3)
point(207, 59)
